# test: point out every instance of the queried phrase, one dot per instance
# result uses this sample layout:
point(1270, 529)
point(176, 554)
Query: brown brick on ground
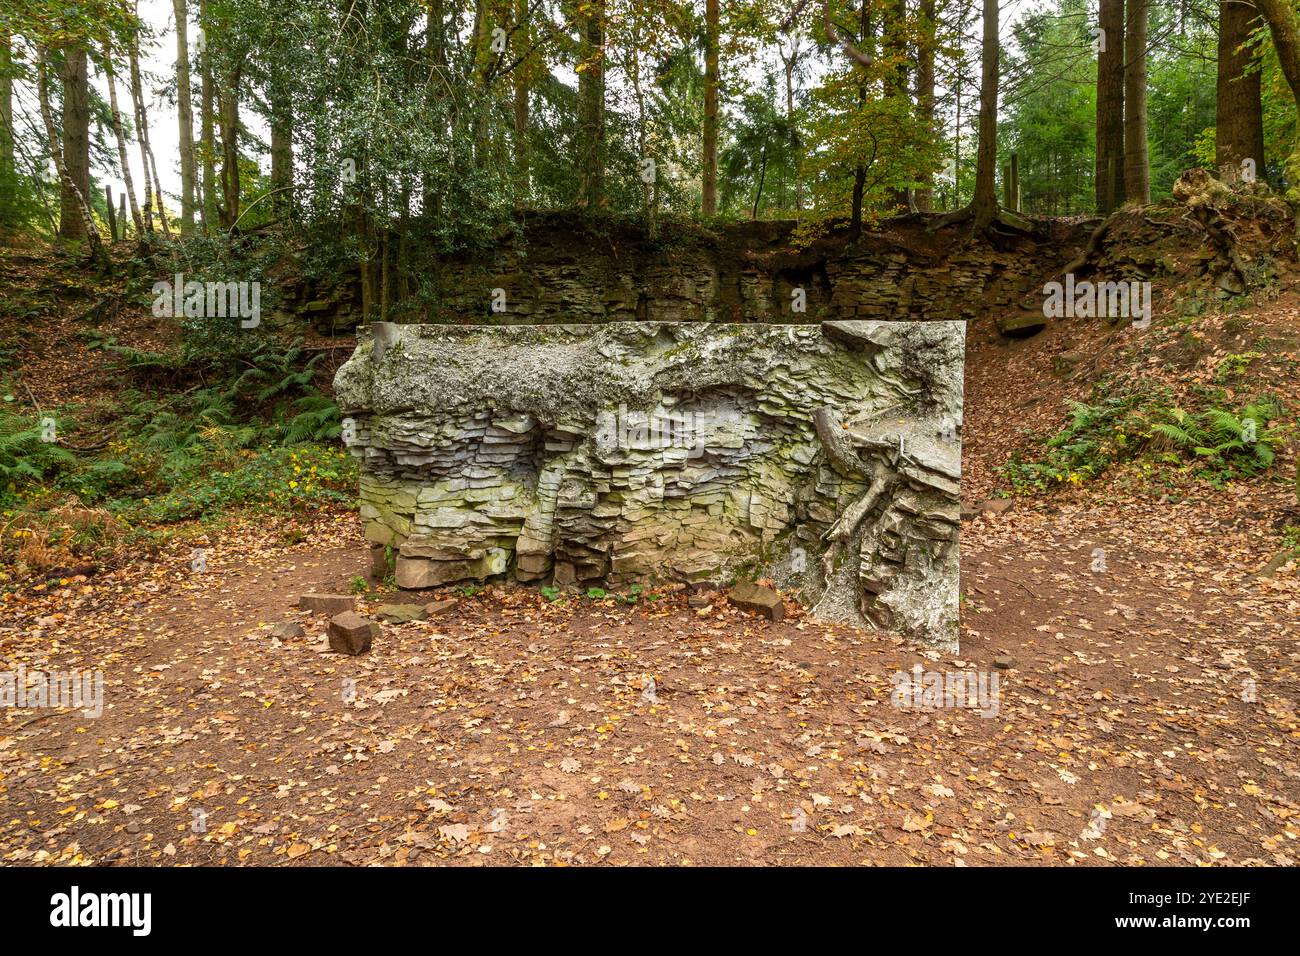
point(327, 603)
point(350, 633)
point(749, 596)
point(434, 608)
point(400, 613)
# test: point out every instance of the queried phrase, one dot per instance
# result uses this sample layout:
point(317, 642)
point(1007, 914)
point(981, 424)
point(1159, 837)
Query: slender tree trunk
point(207, 124)
point(75, 186)
point(956, 139)
point(185, 117)
point(789, 64)
point(281, 151)
point(1137, 172)
point(115, 118)
point(8, 168)
point(1238, 113)
point(649, 185)
point(591, 106)
point(436, 51)
point(112, 215)
point(709, 162)
point(228, 103)
point(480, 33)
point(893, 42)
point(1110, 107)
point(762, 177)
point(925, 95)
point(984, 206)
point(137, 105)
point(1284, 27)
point(88, 229)
point(866, 42)
point(158, 193)
point(522, 78)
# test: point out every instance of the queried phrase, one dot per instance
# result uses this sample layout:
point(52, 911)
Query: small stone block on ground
point(754, 597)
point(327, 603)
point(350, 633)
point(287, 630)
point(400, 613)
point(1021, 326)
point(434, 608)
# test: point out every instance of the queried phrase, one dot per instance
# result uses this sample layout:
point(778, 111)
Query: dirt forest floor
point(1146, 712)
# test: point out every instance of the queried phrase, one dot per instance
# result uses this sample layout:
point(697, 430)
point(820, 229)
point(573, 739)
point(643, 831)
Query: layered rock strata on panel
point(826, 457)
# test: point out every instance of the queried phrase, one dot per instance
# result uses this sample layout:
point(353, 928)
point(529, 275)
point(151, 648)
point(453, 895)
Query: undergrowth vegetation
point(1151, 432)
point(230, 419)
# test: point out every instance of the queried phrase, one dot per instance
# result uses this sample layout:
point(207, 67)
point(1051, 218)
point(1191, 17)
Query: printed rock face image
point(824, 457)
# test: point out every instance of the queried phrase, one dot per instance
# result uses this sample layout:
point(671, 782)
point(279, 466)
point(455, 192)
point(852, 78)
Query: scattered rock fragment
point(1064, 363)
point(400, 613)
point(287, 630)
point(754, 597)
point(434, 608)
point(698, 600)
point(1022, 326)
point(350, 633)
point(1004, 662)
point(1277, 563)
point(327, 603)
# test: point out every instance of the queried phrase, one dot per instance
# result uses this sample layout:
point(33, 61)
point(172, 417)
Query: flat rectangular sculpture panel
point(826, 457)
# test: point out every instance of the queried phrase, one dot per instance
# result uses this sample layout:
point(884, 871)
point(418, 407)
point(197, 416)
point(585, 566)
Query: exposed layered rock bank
point(825, 456)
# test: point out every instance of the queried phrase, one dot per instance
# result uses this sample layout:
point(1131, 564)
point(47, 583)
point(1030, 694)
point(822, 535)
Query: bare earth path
point(1148, 714)
point(1149, 717)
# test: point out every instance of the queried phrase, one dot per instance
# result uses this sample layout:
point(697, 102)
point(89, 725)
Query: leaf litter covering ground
point(513, 730)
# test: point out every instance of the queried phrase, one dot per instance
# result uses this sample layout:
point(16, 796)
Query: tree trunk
point(480, 34)
point(1137, 171)
point(112, 215)
point(8, 168)
point(1284, 27)
point(435, 40)
point(1110, 107)
point(709, 161)
point(866, 42)
point(97, 254)
point(207, 137)
point(228, 105)
point(1238, 112)
point(522, 78)
point(893, 43)
point(925, 95)
point(591, 106)
point(115, 118)
point(762, 178)
point(185, 116)
point(75, 185)
point(142, 139)
point(984, 206)
point(281, 152)
point(649, 184)
point(789, 65)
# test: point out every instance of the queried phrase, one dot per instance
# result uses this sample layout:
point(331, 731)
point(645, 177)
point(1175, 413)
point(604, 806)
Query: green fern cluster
point(1243, 440)
point(213, 439)
point(24, 457)
point(1221, 443)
